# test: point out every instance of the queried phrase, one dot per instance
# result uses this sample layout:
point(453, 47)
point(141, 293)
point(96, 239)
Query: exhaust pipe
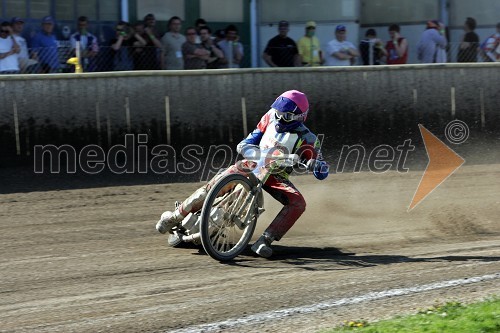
point(191, 238)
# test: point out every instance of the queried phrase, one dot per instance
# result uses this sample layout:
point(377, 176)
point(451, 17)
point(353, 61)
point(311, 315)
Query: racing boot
point(168, 220)
point(263, 246)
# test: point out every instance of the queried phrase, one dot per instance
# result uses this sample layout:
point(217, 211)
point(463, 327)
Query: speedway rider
point(281, 127)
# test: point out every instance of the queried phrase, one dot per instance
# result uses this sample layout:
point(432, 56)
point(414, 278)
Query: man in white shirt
point(340, 52)
point(26, 65)
point(9, 50)
point(89, 46)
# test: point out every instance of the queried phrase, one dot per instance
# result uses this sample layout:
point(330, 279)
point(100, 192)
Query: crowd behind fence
point(139, 47)
point(131, 58)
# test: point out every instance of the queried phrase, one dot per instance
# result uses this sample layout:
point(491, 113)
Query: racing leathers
point(299, 141)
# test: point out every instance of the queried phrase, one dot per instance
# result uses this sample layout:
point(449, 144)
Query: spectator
point(44, 47)
point(153, 50)
point(309, 47)
point(281, 50)
point(141, 62)
point(340, 52)
point(231, 47)
point(396, 48)
point(469, 42)
point(491, 47)
point(198, 24)
point(219, 35)
point(432, 43)
point(195, 55)
point(26, 65)
point(9, 50)
point(442, 52)
point(208, 43)
point(88, 44)
point(371, 48)
point(172, 42)
point(122, 46)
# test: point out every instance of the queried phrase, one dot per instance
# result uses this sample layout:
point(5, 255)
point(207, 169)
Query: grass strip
point(452, 317)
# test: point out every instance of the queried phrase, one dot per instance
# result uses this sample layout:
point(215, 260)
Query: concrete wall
point(349, 105)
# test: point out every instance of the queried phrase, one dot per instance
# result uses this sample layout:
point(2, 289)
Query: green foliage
point(452, 317)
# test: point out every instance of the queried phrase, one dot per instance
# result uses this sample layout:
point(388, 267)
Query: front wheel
point(228, 217)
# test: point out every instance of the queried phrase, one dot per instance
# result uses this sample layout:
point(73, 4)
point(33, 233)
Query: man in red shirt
point(397, 47)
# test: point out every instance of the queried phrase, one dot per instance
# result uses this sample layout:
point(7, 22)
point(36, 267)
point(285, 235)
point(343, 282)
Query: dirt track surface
point(90, 260)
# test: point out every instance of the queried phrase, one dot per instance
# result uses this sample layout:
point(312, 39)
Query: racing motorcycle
point(225, 224)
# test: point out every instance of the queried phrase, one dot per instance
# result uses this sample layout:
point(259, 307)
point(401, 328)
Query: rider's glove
point(311, 164)
point(320, 169)
point(249, 152)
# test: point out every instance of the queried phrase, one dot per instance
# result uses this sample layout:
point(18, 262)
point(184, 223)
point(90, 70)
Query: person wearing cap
point(8, 50)
point(26, 65)
point(371, 48)
point(309, 47)
point(432, 43)
point(44, 47)
point(281, 50)
point(339, 51)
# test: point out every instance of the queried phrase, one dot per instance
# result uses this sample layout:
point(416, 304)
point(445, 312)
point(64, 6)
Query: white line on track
point(278, 314)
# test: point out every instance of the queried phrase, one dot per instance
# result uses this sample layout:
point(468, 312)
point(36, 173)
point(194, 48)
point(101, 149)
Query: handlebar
point(288, 160)
point(269, 156)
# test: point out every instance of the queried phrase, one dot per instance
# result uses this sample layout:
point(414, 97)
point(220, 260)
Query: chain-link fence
point(453, 52)
point(128, 58)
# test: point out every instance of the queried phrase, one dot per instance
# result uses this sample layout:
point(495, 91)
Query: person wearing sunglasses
point(195, 55)
point(282, 128)
point(9, 49)
point(44, 46)
point(309, 47)
point(122, 46)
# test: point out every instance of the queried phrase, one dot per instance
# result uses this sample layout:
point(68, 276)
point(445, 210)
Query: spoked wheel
point(228, 218)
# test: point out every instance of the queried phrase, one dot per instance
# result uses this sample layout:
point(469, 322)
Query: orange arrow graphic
point(443, 161)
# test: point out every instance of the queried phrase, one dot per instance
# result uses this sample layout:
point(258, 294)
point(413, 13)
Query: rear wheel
point(229, 217)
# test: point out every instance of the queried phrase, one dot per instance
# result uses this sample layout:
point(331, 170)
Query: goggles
point(289, 116)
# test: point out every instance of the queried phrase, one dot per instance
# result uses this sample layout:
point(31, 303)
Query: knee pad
point(194, 202)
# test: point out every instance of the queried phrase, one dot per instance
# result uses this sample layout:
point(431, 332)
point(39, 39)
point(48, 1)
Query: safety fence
point(127, 58)
point(365, 104)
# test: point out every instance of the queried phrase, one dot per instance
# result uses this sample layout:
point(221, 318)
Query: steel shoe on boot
point(263, 246)
point(167, 221)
